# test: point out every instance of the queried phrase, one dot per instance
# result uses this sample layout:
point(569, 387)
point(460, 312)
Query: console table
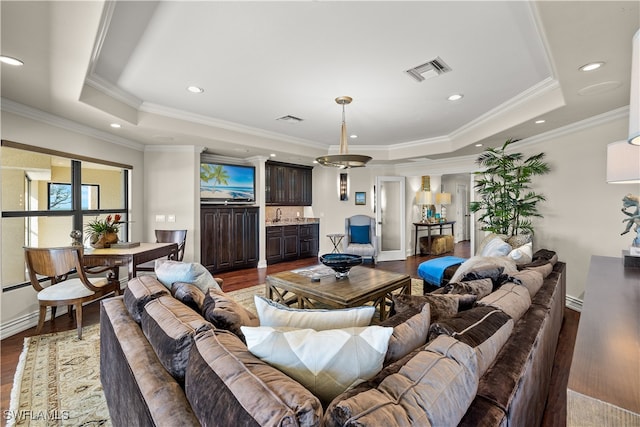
point(604, 381)
point(429, 226)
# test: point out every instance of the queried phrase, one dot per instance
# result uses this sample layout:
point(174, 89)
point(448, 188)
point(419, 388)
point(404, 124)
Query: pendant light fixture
point(344, 160)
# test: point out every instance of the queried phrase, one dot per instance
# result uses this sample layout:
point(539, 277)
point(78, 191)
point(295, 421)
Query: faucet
point(278, 215)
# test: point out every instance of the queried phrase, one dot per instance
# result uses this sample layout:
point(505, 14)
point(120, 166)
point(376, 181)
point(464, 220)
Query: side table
point(336, 239)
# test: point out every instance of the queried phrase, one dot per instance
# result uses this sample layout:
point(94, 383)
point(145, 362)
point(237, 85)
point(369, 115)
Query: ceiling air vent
point(430, 69)
point(290, 119)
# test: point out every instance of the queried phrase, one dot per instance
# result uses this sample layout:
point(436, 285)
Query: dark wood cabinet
point(228, 237)
point(289, 242)
point(288, 185)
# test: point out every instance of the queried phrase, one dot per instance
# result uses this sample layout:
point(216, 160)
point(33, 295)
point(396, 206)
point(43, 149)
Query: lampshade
point(634, 99)
point(344, 160)
point(423, 198)
point(623, 163)
point(443, 198)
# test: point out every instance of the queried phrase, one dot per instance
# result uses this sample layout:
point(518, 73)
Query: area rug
point(57, 380)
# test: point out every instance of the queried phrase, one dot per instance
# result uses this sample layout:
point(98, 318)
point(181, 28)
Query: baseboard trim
point(573, 303)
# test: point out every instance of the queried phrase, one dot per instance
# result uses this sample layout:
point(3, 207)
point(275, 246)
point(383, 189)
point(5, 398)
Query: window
point(46, 195)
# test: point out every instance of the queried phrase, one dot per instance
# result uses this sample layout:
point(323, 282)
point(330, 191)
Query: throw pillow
point(496, 247)
point(410, 330)
point(360, 234)
point(440, 305)
point(225, 313)
point(188, 294)
point(169, 272)
point(494, 273)
point(523, 254)
point(478, 262)
point(480, 287)
point(325, 362)
point(273, 314)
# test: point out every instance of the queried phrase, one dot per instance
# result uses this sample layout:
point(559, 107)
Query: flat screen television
point(226, 183)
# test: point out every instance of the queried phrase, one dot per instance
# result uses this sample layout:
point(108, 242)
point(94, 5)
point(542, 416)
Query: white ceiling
point(130, 62)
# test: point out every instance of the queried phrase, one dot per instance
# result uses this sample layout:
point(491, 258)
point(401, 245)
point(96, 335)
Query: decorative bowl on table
point(340, 263)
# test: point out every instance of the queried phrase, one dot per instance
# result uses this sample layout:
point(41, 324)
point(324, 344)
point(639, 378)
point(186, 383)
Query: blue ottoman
point(432, 271)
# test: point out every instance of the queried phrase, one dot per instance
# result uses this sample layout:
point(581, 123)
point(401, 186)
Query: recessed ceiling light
point(591, 66)
point(115, 125)
point(354, 136)
point(10, 61)
point(272, 155)
point(540, 121)
point(195, 89)
point(455, 97)
point(478, 145)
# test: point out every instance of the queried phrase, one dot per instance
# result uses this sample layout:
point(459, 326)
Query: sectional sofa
point(180, 360)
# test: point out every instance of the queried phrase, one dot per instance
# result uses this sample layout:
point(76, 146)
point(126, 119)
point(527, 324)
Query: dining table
point(113, 258)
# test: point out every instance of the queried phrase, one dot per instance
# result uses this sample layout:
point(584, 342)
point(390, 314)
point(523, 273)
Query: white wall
point(20, 307)
point(171, 188)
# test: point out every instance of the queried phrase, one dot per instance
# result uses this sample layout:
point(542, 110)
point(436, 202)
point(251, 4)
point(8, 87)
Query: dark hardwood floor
point(555, 413)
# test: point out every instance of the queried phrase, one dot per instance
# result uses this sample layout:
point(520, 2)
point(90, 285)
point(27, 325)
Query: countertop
point(293, 221)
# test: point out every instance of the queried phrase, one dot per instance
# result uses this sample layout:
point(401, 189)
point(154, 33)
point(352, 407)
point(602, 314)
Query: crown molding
point(66, 124)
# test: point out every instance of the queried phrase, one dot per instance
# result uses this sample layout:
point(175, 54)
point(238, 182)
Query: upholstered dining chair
point(167, 236)
point(360, 237)
point(56, 265)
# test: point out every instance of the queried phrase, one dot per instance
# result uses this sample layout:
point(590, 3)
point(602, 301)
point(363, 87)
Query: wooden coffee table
point(363, 285)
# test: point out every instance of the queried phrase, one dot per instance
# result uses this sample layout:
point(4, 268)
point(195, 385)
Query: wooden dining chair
point(58, 265)
point(167, 236)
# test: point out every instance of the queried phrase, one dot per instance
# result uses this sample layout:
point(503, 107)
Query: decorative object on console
point(341, 263)
point(504, 189)
point(623, 167)
point(344, 160)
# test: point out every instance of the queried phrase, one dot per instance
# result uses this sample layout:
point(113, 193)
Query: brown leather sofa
point(193, 373)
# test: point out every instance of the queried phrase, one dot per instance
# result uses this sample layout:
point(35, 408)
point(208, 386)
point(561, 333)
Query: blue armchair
point(360, 237)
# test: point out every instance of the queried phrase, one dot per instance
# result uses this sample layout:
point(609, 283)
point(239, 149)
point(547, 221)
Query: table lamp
point(443, 199)
point(423, 199)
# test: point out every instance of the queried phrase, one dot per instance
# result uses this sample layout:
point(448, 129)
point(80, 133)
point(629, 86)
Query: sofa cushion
point(188, 294)
point(273, 314)
point(545, 268)
point(169, 272)
point(440, 305)
point(226, 385)
point(140, 290)
point(480, 287)
point(485, 329)
point(511, 298)
point(530, 279)
point(170, 327)
point(325, 362)
point(410, 330)
point(484, 262)
point(442, 377)
point(225, 313)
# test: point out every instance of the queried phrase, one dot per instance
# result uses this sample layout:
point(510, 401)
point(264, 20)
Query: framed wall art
point(361, 198)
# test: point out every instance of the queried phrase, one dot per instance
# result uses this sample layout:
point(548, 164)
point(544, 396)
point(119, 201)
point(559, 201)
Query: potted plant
point(102, 233)
point(506, 198)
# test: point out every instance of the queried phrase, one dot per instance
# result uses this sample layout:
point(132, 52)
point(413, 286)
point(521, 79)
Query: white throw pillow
point(273, 314)
point(326, 362)
point(496, 247)
point(169, 272)
point(522, 254)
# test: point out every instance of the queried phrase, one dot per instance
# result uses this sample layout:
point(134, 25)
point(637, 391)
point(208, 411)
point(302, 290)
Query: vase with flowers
point(103, 233)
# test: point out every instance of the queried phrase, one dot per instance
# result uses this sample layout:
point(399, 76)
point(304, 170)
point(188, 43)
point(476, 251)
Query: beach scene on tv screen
point(226, 182)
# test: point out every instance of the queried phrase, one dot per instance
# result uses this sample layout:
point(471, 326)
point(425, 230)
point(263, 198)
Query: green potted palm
point(506, 199)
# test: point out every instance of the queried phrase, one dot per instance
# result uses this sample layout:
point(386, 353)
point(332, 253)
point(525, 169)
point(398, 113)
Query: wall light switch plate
point(171, 218)
point(160, 218)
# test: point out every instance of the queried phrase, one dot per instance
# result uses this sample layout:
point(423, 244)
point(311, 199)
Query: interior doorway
point(390, 217)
